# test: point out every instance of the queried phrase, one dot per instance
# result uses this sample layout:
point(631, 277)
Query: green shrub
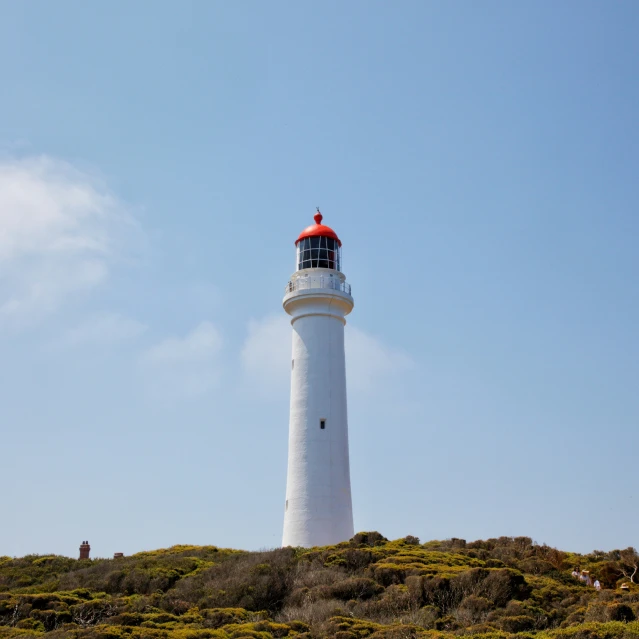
point(620, 612)
point(519, 623)
point(218, 617)
point(368, 539)
point(355, 588)
point(31, 624)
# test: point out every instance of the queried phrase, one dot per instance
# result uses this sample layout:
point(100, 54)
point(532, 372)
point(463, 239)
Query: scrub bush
point(368, 587)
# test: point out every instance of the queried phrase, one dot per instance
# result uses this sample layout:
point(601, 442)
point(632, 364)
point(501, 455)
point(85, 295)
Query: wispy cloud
point(370, 362)
point(60, 231)
point(266, 354)
point(266, 357)
point(103, 329)
point(184, 366)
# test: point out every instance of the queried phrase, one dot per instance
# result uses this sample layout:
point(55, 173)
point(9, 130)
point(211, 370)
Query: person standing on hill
point(597, 585)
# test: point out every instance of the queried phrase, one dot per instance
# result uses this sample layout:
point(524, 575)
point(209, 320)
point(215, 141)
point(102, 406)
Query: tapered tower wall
point(318, 508)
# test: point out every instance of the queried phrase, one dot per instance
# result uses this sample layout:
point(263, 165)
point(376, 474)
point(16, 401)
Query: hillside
point(368, 587)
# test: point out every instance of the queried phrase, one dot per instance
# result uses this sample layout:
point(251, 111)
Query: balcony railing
point(317, 281)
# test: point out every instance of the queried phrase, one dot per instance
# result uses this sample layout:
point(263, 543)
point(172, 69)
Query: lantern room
point(318, 247)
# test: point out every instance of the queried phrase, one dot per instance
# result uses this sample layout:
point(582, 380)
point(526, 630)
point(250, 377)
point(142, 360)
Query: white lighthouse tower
point(318, 509)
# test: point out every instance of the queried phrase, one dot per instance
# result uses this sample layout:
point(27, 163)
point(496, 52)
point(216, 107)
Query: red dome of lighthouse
point(318, 230)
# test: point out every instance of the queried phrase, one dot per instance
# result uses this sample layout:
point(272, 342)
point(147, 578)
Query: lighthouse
point(318, 507)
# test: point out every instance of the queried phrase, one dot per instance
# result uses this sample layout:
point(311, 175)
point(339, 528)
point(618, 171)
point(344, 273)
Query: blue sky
point(479, 160)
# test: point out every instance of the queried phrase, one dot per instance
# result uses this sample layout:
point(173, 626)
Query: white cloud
point(370, 362)
point(266, 357)
point(184, 366)
point(104, 328)
point(60, 231)
point(266, 354)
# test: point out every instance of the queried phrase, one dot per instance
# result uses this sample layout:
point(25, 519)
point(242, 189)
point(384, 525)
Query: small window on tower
point(292, 364)
point(322, 424)
point(287, 504)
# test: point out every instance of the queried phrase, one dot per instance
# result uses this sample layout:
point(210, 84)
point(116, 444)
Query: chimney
point(118, 555)
point(85, 549)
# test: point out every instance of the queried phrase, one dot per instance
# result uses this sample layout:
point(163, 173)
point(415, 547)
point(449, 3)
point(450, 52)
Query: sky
point(480, 163)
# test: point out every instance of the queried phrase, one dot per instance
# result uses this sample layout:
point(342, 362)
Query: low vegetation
point(368, 587)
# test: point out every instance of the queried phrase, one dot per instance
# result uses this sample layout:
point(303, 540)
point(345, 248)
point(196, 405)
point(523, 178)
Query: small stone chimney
point(85, 549)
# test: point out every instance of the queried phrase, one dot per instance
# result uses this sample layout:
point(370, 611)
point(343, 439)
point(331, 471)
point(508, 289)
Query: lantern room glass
point(319, 252)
